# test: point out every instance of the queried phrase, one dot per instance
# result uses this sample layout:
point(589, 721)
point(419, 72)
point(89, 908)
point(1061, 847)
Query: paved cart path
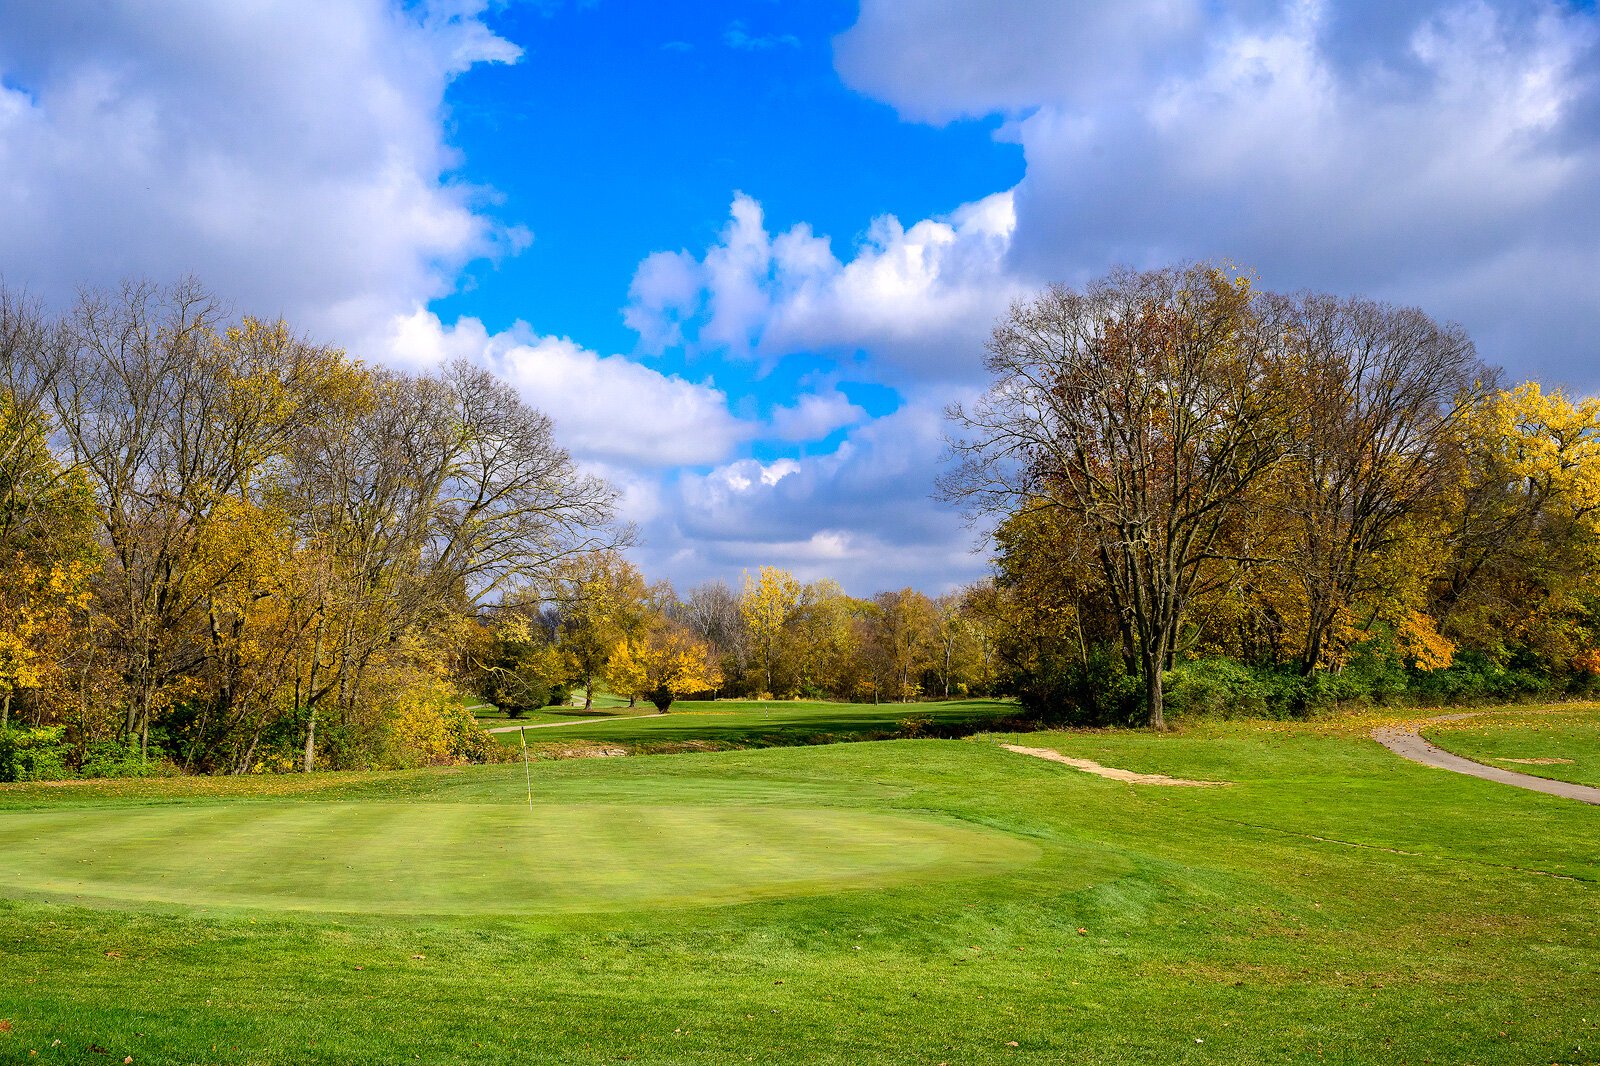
point(1406, 743)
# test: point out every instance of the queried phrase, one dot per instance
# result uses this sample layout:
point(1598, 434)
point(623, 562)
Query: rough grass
point(1560, 731)
point(1337, 904)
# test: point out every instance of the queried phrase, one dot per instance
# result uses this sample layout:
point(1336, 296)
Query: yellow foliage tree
point(766, 605)
point(663, 663)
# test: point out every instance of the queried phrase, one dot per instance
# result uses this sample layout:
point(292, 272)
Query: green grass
point(1335, 904)
point(605, 705)
point(494, 717)
point(463, 858)
point(1554, 732)
point(760, 723)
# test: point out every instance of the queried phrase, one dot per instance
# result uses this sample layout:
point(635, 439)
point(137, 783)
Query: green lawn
point(1568, 735)
point(767, 722)
point(904, 902)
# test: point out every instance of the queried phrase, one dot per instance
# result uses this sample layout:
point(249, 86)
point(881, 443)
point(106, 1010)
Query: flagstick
point(522, 731)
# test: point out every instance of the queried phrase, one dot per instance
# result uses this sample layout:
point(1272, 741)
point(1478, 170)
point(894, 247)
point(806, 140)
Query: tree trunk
point(311, 741)
point(1153, 697)
point(588, 693)
point(5, 711)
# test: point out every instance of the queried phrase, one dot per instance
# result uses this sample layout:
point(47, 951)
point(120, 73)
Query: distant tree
point(984, 614)
point(711, 612)
point(663, 662)
point(519, 671)
point(601, 600)
point(903, 631)
point(766, 605)
point(819, 629)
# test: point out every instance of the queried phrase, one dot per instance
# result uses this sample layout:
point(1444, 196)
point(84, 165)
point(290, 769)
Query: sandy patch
point(1090, 766)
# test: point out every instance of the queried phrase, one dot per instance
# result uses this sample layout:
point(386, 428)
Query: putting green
point(445, 858)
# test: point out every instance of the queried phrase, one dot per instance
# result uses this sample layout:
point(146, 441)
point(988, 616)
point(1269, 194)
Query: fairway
point(759, 723)
point(476, 858)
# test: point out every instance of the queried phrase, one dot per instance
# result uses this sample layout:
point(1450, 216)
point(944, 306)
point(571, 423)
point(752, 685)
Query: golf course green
point(464, 858)
point(908, 901)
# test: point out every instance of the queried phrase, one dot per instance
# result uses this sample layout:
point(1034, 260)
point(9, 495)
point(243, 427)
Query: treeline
point(224, 548)
point(603, 625)
point(1243, 501)
point(233, 549)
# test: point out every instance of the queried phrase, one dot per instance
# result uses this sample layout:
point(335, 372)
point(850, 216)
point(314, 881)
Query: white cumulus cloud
point(1444, 153)
point(608, 409)
point(295, 161)
point(923, 297)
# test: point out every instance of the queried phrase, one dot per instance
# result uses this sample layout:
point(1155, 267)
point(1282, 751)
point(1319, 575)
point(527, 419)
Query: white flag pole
point(522, 731)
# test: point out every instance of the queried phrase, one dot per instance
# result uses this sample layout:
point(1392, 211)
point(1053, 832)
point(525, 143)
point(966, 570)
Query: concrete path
point(1407, 744)
point(579, 721)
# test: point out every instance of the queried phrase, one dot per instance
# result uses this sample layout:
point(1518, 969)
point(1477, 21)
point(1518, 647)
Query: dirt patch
point(1092, 767)
point(1538, 762)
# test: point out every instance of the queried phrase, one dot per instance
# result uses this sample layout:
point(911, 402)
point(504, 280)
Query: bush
point(1217, 688)
point(436, 730)
point(1475, 677)
point(48, 754)
point(1095, 691)
point(33, 754)
point(114, 758)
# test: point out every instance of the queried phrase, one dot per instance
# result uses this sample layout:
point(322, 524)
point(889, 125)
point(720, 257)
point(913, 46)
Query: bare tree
point(1377, 392)
point(1146, 408)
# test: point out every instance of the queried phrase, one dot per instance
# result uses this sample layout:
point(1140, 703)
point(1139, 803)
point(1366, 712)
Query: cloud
point(923, 297)
point(608, 409)
point(298, 163)
point(1444, 154)
point(738, 36)
point(946, 59)
point(862, 513)
point(815, 415)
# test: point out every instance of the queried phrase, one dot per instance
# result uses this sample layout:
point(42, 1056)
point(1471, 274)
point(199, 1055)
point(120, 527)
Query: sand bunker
point(1538, 762)
point(1090, 766)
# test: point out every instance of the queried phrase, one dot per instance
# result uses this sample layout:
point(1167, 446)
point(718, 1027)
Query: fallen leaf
point(1011, 1043)
point(98, 1050)
point(113, 954)
point(127, 1060)
point(1082, 931)
point(419, 956)
point(5, 1025)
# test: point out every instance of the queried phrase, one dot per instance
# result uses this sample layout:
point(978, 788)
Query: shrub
point(33, 754)
point(1216, 688)
point(48, 754)
point(114, 758)
point(1094, 691)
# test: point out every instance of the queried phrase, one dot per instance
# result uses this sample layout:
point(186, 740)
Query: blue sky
point(746, 252)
